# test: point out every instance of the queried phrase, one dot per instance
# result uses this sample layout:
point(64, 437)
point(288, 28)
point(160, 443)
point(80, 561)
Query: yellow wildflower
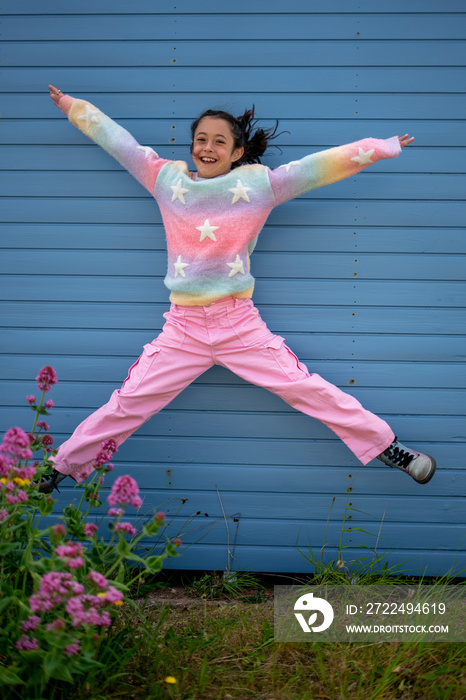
point(170, 679)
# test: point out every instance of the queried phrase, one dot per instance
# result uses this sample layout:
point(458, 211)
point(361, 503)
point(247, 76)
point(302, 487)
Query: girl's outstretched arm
point(141, 161)
point(323, 168)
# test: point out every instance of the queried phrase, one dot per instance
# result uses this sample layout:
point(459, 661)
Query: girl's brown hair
point(254, 141)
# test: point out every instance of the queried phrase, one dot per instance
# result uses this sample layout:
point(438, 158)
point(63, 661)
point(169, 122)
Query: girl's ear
point(237, 154)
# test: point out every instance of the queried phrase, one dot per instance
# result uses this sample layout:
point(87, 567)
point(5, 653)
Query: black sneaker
point(419, 466)
point(51, 481)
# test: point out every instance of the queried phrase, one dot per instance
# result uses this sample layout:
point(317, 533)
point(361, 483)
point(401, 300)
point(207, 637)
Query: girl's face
point(213, 149)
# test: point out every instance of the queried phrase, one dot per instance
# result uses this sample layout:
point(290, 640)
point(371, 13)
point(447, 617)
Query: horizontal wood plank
point(279, 52)
point(292, 26)
point(363, 79)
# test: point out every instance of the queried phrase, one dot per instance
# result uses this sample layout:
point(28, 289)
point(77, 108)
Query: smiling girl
point(212, 219)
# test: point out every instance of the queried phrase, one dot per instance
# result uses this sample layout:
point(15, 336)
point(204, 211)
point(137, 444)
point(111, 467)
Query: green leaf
point(46, 506)
point(86, 663)
point(123, 547)
point(56, 667)
point(71, 512)
point(8, 677)
point(7, 547)
point(154, 564)
point(151, 528)
point(4, 602)
point(171, 549)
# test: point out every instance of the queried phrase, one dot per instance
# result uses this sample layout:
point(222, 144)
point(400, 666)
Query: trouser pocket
point(285, 358)
point(138, 371)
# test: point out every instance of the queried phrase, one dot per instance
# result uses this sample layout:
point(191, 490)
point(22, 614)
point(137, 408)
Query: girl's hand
point(55, 94)
point(405, 140)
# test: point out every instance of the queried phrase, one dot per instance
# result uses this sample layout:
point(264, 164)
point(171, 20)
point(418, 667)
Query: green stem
point(37, 412)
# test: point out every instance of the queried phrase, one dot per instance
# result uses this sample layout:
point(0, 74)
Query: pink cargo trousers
point(230, 333)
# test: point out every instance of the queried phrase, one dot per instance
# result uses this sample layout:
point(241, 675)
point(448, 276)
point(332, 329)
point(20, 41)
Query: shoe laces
point(51, 479)
point(399, 454)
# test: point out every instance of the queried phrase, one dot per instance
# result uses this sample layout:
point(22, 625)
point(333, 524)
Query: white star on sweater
point(289, 165)
point(240, 192)
point(179, 267)
point(236, 267)
point(179, 192)
point(90, 117)
point(363, 158)
point(147, 150)
point(207, 231)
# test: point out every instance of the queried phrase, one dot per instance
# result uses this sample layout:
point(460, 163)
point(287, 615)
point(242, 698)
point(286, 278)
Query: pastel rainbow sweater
point(212, 224)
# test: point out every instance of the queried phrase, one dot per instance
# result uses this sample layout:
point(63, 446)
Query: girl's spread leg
point(268, 362)
point(167, 365)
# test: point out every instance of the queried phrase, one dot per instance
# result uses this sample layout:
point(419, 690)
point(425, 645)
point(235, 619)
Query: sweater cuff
point(393, 147)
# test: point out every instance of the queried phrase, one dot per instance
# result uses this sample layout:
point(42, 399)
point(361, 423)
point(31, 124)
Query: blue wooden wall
point(369, 290)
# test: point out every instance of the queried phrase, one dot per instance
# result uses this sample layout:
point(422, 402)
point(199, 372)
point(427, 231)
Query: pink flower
point(107, 449)
point(99, 580)
point(160, 516)
point(71, 554)
point(84, 611)
point(16, 442)
point(109, 446)
point(43, 425)
point(6, 464)
point(59, 530)
point(3, 515)
point(177, 542)
point(125, 527)
point(27, 643)
point(53, 589)
point(24, 472)
point(116, 512)
point(72, 648)
point(31, 623)
point(55, 625)
point(125, 490)
point(46, 441)
point(112, 595)
point(75, 563)
point(31, 399)
point(49, 404)
point(90, 529)
point(46, 378)
point(70, 549)
point(19, 497)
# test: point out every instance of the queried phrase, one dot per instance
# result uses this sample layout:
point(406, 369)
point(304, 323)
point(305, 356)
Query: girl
point(212, 219)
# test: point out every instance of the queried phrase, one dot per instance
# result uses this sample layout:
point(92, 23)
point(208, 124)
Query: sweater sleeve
point(323, 168)
point(141, 161)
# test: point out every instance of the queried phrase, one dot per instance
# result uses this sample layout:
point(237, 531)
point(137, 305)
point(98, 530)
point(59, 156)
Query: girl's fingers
point(55, 93)
point(405, 140)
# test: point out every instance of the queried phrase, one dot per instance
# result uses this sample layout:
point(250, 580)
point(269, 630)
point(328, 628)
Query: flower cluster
point(73, 603)
point(107, 450)
point(125, 491)
point(72, 606)
point(13, 476)
point(46, 378)
point(16, 444)
point(71, 553)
